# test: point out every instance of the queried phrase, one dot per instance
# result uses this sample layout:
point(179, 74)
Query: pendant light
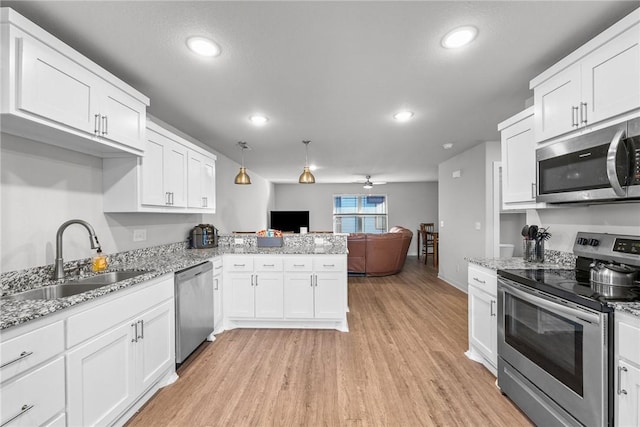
point(306, 177)
point(242, 178)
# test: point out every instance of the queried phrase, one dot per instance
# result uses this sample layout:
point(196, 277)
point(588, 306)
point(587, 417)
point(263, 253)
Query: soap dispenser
point(99, 262)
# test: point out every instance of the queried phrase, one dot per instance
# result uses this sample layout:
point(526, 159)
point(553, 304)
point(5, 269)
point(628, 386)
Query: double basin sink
point(74, 287)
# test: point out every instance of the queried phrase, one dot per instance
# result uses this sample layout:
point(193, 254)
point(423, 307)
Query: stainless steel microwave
point(603, 165)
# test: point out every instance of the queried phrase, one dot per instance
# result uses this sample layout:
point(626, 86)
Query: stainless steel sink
point(108, 278)
point(74, 287)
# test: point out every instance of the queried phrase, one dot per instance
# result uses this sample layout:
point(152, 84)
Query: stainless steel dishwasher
point(194, 308)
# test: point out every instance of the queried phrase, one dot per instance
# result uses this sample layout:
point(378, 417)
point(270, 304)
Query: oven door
point(595, 166)
point(559, 347)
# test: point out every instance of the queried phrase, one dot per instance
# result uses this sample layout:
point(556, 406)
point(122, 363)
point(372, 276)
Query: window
point(359, 213)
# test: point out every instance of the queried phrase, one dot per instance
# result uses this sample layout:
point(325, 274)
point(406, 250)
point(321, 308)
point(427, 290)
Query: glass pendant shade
point(306, 177)
point(242, 178)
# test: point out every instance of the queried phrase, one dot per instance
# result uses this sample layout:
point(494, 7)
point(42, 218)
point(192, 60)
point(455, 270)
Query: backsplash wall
point(44, 186)
point(565, 222)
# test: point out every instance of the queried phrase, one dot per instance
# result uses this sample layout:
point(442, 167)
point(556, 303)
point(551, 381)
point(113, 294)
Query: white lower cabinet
point(218, 313)
point(109, 372)
point(627, 362)
point(483, 316)
point(285, 291)
point(35, 398)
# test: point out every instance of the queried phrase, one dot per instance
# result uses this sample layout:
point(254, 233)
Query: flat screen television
point(289, 220)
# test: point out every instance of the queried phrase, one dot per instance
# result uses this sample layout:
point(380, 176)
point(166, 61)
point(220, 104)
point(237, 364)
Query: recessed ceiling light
point(459, 37)
point(403, 116)
point(203, 46)
point(258, 119)
point(447, 146)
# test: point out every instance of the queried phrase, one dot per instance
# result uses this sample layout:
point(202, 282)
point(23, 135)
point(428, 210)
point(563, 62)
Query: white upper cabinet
point(52, 94)
point(201, 181)
point(173, 176)
point(519, 162)
point(599, 81)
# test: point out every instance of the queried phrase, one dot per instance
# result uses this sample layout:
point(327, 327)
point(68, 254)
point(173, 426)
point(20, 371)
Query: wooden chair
point(426, 233)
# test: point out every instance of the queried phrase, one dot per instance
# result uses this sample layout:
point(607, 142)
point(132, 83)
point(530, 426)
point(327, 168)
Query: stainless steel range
point(555, 331)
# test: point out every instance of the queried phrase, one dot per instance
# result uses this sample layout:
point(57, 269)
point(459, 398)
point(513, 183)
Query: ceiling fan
point(368, 184)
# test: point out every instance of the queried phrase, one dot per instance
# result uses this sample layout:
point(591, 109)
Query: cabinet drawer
point(298, 264)
point(28, 350)
point(629, 339)
point(41, 390)
point(238, 263)
point(217, 265)
point(328, 264)
point(106, 315)
point(484, 279)
point(267, 263)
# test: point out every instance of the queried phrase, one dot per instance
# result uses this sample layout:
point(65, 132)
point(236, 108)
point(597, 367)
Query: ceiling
point(330, 72)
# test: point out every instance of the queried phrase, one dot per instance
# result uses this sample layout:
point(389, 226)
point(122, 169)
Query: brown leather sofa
point(378, 254)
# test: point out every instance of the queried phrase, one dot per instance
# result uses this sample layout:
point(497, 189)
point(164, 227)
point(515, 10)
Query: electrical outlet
point(140, 235)
point(442, 224)
point(477, 226)
point(238, 241)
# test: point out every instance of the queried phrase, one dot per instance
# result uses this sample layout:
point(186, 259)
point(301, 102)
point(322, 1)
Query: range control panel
point(608, 247)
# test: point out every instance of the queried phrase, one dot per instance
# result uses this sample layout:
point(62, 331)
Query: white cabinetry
point(174, 176)
point(32, 386)
point(290, 291)
point(255, 286)
point(164, 170)
point(597, 82)
point(201, 181)
point(627, 362)
point(483, 311)
point(217, 296)
point(53, 94)
point(134, 347)
point(518, 162)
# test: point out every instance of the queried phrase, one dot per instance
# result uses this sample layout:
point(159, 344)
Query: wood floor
point(401, 364)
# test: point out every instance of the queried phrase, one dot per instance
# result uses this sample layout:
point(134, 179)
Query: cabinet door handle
point(268, 265)
point(298, 265)
point(583, 116)
point(252, 280)
point(238, 265)
point(533, 190)
point(105, 125)
point(23, 410)
point(167, 202)
point(492, 313)
point(574, 117)
point(17, 359)
point(316, 279)
point(171, 194)
point(216, 282)
point(141, 336)
point(620, 389)
point(135, 333)
point(96, 124)
point(311, 280)
point(256, 280)
point(328, 265)
point(479, 281)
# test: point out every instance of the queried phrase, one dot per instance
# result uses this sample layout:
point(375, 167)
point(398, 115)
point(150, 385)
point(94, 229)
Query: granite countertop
point(556, 262)
point(155, 262)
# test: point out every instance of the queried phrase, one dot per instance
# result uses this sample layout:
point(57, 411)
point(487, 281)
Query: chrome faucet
point(58, 271)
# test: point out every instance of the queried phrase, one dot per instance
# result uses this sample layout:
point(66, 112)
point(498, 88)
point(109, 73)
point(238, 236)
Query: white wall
point(43, 186)
point(565, 222)
point(463, 202)
point(409, 204)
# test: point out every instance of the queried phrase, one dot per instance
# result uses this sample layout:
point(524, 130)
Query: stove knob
point(594, 242)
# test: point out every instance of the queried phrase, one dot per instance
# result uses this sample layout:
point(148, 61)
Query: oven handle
point(612, 173)
point(554, 306)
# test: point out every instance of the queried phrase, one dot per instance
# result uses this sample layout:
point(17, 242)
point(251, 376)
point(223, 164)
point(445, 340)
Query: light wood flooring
point(401, 364)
